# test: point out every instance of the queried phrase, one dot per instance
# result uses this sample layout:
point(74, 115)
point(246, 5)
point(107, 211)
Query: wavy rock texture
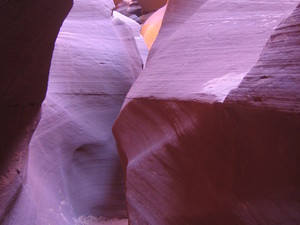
point(274, 82)
point(28, 32)
point(73, 167)
point(189, 156)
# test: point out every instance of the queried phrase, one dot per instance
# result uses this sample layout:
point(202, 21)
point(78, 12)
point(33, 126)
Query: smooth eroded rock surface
point(214, 45)
point(73, 167)
point(152, 25)
point(189, 156)
point(151, 5)
point(28, 33)
point(274, 81)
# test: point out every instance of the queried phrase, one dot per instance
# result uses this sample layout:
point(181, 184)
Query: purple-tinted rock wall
point(28, 32)
point(197, 146)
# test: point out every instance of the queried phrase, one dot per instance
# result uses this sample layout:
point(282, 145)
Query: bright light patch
point(221, 86)
point(152, 26)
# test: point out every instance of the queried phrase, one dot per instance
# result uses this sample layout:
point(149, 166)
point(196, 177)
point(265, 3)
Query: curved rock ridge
point(135, 27)
point(28, 33)
point(73, 167)
point(152, 25)
point(219, 42)
point(190, 157)
point(192, 163)
point(274, 82)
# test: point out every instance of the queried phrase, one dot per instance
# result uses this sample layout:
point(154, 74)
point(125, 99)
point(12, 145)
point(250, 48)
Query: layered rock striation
point(210, 130)
point(28, 32)
point(73, 167)
point(209, 133)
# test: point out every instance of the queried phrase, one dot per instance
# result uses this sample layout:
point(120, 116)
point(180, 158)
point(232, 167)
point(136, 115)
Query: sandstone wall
point(197, 146)
point(73, 166)
point(28, 32)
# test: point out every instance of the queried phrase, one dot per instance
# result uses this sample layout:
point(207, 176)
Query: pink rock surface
point(28, 32)
point(209, 133)
point(99, 221)
point(274, 82)
point(117, 1)
point(213, 41)
point(189, 156)
point(151, 5)
point(73, 167)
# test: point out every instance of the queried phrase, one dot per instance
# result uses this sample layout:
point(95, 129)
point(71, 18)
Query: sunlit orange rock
point(151, 27)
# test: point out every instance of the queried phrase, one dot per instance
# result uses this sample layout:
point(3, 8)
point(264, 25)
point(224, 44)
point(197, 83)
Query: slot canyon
point(150, 112)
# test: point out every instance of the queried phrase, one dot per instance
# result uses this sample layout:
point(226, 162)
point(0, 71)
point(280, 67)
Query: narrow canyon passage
point(150, 112)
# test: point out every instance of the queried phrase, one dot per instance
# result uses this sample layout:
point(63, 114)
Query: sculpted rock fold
point(189, 156)
point(28, 32)
point(73, 167)
point(274, 82)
